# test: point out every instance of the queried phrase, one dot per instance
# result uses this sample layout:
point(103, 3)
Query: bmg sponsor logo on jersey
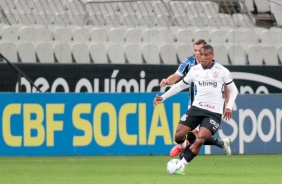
point(204, 83)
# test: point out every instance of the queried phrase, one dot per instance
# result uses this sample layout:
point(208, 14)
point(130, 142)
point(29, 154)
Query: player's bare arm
point(170, 80)
point(157, 100)
point(231, 98)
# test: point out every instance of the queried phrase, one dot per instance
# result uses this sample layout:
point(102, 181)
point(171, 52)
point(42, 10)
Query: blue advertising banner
point(49, 124)
point(255, 127)
point(88, 124)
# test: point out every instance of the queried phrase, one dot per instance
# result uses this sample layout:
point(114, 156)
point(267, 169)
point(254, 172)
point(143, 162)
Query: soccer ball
point(175, 166)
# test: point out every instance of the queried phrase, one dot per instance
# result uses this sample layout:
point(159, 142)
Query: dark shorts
point(196, 116)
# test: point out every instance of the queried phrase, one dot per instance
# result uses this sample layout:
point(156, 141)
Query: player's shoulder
point(219, 66)
point(190, 60)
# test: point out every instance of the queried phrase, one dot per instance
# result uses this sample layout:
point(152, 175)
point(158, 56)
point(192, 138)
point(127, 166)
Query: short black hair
point(207, 47)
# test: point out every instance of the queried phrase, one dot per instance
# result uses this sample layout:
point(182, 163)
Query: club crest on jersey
point(215, 75)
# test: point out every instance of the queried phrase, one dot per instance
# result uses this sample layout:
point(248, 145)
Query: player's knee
point(179, 136)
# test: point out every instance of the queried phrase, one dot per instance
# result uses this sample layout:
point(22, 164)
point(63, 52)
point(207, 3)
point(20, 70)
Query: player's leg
point(180, 136)
point(209, 126)
point(212, 141)
point(223, 144)
point(180, 139)
point(191, 136)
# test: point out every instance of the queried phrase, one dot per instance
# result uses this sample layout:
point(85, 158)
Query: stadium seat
point(9, 33)
point(159, 8)
point(115, 53)
point(133, 54)
point(183, 35)
point(218, 36)
point(181, 20)
point(113, 20)
point(9, 51)
point(62, 34)
point(62, 52)
point(270, 55)
point(220, 54)
point(242, 20)
point(183, 50)
point(244, 37)
point(262, 6)
point(236, 54)
point(195, 8)
point(42, 34)
point(250, 37)
point(198, 20)
point(127, 8)
point(99, 35)
point(165, 35)
point(210, 8)
point(96, 20)
point(80, 35)
point(44, 52)
point(226, 20)
point(147, 20)
point(133, 35)
point(150, 35)
point(276, 11)
point(201, 34)
point(76, 7)
point(80, 52)
point(43, 13)
point(250, 5)
point(98, 53)
point(178, 8)
point(26, 52)
point(9, 10)
point(163, 20)
point(27, 33)
point(167, 54)
point(59, 12)
point(214, 20)
point(130, 20)
point(150, 53)
point(254, 54)
point(268, 37)
point(144, 8)
point(116, 35)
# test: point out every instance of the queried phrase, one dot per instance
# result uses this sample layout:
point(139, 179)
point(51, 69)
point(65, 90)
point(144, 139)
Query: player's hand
point(227, 114)
point(164, 82)
point(157, 100)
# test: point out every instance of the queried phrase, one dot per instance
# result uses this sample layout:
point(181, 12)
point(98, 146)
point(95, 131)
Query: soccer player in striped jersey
point(182, 70)
point(207, 108)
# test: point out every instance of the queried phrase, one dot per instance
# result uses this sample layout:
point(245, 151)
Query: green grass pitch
point(211, 169)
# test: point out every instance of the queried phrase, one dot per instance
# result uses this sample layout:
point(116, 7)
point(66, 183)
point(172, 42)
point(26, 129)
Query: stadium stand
point(97, 31)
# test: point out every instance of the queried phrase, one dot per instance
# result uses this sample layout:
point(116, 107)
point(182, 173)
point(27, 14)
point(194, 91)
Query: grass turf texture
point(211, 169)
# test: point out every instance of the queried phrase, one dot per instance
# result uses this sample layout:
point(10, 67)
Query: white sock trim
point(183, 145)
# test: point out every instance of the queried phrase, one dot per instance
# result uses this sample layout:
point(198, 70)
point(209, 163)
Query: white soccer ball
point(175, 166)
